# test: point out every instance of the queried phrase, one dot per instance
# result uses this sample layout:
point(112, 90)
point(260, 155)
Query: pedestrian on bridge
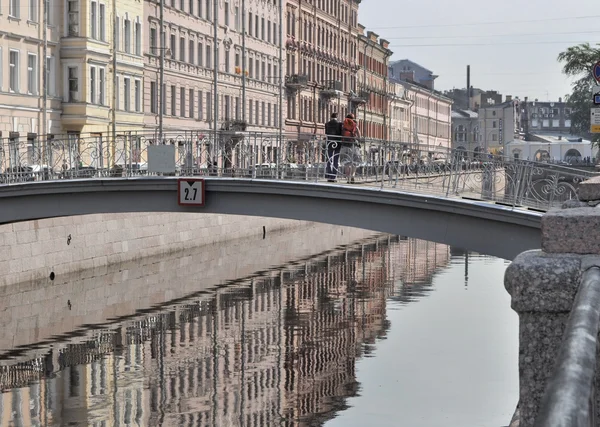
point(350, 151)
point(333, 131)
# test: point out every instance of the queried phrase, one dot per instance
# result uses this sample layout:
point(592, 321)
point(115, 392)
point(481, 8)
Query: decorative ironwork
point(296, 81)
point(236, 152)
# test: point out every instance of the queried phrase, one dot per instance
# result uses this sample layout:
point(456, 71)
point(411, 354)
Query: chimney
point(559, 100)
point(526, 98)
point(508, 98)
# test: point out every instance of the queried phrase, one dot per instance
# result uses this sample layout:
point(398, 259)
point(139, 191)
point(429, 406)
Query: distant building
point(485, 98)
point(544, 117)
point(497, 126)
point(465, 131)
point(407, 70)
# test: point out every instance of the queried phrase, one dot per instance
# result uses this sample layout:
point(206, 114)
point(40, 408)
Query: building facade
point(400, 114)
point(189, 99)
point(545, 117)
point(497, 126)
point(322, 53)
point(430, 117)
point(465, 131)
point(373, 86)
point(22, 68)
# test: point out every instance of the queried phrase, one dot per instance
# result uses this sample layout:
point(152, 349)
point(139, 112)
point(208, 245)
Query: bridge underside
point(477, 226)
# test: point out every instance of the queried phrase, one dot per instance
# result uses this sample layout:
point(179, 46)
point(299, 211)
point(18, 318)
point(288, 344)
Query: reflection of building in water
point(279, 349)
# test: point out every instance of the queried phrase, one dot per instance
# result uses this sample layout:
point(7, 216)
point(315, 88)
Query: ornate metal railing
point(303, 157)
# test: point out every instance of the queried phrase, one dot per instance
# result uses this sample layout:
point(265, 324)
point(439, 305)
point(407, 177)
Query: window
point(199, 11)
point(269, 31)
point(137, 95)
point(200, 54)
point(192, 49)
point(200, 103)
point(13, 78)
point(191, 96)
point(1, 68)
point(262, 28)
point(72, 17)
point(173, 100)
point(153, 41)
point(33, 10)
point(173, 46)
point(226, 53)
point(256, 29)
point(274, 33)
point(117, 89)
point(138, 38)
point(208, 56)
point(191, 10)
point(236, 18)
point(101, 84)
point(182, 101)
point(73, 84)
point(163, 98)
point(249, 23)
point(276, 118)
point(226, 18)
point(208, 106)
point(93, 85)
point(153, 98)
point(207, 9)
point(118, 34)
point(182, 49)
point(127, 35)
point(127, 93)
point(32, 74)
point(50, 76)
point(94, 20)
point(102, 22)
point(269, 117)
point(237, 108)
point(13, 8)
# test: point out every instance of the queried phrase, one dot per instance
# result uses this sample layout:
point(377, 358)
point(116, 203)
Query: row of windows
point(258, 27)
point(432, 127)
point(338, 9)
point(197, 53)
point(321, 34)
point(16, 60)
point(191, 103)
point(306, 109)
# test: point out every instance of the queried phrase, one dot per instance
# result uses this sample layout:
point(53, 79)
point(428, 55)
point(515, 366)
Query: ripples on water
point(278, 348)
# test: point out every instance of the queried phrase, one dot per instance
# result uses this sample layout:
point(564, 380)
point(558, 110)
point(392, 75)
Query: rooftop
point(464, 114)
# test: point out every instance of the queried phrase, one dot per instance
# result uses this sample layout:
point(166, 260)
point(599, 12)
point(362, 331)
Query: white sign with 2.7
point(190, 192)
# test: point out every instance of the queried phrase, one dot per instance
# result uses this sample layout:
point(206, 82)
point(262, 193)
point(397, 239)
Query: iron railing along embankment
point(409, 167)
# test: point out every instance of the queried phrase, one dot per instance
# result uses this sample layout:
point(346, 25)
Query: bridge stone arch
point(475, 225)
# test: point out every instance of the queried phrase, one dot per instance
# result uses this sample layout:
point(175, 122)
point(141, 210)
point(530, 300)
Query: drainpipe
point(244, 60)
point(115, 88)
point(161, 78)
point(281, 3)
point(215, 66)
point(45, 79)
point(385, 89)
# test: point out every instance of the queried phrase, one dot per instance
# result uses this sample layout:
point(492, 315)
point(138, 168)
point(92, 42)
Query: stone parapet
point(543, 285)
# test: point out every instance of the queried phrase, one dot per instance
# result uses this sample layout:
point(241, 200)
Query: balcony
point(332, 88)
point(296, 81)
point(359, 98)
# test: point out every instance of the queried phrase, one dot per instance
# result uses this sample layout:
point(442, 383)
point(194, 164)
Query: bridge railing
point(569, 399)
point(292, 156)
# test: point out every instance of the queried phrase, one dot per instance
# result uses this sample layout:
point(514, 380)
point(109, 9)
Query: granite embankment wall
point(35, 311)
point(32, 250)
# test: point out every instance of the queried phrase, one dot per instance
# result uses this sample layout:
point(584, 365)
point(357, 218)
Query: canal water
point(388, 331)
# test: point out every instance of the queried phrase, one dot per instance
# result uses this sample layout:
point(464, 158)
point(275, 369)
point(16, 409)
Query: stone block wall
point(32, 250)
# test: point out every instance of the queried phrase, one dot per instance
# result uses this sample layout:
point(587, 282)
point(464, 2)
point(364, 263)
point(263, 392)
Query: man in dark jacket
point(333, 130)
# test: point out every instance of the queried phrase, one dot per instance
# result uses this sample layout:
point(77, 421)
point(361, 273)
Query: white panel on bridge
point(161, 158)
point(190, 191)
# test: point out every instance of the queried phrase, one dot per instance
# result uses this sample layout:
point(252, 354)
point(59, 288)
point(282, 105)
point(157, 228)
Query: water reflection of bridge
point(278, 348)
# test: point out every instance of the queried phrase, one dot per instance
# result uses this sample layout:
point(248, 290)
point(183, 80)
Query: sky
point(514, 44)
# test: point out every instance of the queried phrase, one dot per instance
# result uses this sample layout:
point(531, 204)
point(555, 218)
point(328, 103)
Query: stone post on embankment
point(543, 285)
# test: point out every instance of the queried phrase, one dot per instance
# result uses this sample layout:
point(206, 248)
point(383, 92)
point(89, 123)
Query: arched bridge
point(475, 225)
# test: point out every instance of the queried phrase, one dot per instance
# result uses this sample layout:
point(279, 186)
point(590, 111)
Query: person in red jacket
point(350, 152)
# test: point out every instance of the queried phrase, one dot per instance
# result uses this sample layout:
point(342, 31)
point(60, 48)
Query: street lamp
point(164, 51)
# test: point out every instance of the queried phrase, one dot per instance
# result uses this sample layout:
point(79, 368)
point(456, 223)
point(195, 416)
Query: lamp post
point(161, 78)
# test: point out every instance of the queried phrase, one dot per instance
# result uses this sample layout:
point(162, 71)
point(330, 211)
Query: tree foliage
point(578, 62)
